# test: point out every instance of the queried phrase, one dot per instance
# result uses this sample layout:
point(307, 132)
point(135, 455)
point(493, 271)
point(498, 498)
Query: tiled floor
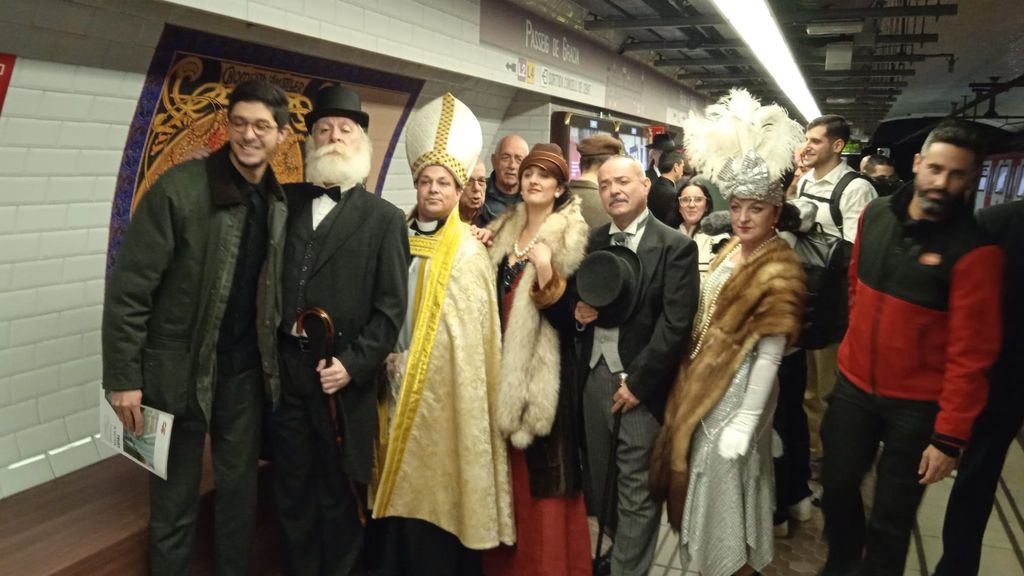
point(803, 554)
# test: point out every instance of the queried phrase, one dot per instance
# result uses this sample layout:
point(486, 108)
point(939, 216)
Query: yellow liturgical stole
point(440, 249)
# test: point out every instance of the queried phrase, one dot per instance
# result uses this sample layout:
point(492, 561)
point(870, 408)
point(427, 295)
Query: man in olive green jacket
point(180, 327)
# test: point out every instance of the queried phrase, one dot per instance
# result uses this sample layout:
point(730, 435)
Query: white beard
point(337, 164)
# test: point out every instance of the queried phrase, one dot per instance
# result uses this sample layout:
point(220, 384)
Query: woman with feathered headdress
point(712, 460)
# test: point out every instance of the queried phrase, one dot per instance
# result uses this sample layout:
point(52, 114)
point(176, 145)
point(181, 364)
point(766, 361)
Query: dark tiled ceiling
point(688, 40)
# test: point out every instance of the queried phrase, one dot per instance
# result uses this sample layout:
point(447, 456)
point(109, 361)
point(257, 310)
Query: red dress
point(552, 537)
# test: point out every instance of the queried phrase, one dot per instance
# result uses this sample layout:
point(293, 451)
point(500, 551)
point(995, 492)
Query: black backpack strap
point(833, 201)
point(837, 193)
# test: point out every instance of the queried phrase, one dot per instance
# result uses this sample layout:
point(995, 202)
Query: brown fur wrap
point(763, 297)
point(530, 359)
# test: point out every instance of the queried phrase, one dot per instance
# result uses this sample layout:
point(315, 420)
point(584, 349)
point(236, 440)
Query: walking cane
point(333, 400)
point(326, 353)
point(609, 487)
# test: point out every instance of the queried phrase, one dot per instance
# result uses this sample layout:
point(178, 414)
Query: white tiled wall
point(61, 137)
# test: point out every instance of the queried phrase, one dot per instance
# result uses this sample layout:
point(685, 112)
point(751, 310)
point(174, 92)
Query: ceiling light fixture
point(838, 56)
point(757, 26)
point(835, 28)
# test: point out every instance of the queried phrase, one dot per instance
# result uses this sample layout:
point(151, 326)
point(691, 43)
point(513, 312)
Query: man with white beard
point(347, 254)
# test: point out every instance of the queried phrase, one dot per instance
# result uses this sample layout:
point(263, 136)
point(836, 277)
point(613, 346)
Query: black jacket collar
point(221, 177)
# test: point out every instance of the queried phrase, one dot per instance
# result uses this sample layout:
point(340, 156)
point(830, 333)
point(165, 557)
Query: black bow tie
point(334, 192)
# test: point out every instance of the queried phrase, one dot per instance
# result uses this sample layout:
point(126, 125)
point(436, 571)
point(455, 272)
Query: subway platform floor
point(803, 553)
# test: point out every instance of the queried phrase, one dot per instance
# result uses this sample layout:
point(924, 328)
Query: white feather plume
point(737, 124)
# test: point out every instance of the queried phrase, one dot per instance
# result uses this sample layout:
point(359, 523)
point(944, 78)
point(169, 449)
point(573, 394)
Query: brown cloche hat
point(548, 157)
point(599, 145)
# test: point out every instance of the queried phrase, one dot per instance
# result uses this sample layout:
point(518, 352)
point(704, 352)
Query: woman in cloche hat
point(537, 245)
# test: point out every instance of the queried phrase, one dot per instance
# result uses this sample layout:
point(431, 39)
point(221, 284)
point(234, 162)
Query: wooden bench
point(93, 522)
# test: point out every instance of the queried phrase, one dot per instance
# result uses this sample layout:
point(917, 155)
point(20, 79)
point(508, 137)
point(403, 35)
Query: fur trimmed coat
point(537, 401)
point(764, 296)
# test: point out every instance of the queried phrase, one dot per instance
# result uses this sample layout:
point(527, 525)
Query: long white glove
point(739, 431)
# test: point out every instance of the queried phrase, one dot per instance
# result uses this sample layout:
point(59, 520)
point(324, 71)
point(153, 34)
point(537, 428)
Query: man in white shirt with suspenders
point(841, 194)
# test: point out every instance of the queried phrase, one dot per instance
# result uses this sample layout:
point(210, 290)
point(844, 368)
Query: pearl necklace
point(705, 310)
point(521, 254)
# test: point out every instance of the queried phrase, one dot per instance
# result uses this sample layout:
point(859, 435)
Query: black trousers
point(970, 502)
point(854, 425)
point(412, 547)
point(793, 468)
point(317, 503)
point(234, 432)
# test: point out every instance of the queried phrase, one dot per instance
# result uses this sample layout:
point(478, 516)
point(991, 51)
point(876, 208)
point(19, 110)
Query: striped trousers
point(636, 535)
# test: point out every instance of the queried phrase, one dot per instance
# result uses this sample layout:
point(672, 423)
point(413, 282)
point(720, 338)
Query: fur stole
point(763, 296)
point(531, 358)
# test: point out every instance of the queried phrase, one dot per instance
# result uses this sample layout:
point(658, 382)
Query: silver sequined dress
point(727, 521)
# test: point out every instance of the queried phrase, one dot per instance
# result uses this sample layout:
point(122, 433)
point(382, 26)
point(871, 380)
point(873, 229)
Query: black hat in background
point(609, 280)
point(664, 141)
point(337, 101)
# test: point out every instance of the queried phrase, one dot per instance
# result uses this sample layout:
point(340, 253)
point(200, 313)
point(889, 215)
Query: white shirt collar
point(634, 227)
point(833, 175)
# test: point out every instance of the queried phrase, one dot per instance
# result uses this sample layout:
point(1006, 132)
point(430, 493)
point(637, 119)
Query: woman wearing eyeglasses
point(694, 205)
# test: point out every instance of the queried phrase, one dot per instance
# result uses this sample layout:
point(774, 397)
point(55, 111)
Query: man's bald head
point(508, 154)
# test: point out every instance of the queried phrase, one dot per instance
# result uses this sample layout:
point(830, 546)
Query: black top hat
point(337, 101)
point(609, 280)
point(664, 141)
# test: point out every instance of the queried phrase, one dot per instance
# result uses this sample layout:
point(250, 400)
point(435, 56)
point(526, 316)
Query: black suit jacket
point(360, 278)
point(663, 202)
point(1004, 223)
point(655, 339)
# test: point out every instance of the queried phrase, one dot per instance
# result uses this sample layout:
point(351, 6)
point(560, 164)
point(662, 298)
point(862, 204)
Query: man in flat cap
point(346, 254)
point(594, 150)
point(180, 332)
point(444, 489)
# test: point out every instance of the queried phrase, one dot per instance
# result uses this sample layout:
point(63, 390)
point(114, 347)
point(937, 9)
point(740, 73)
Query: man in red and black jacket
point(925, 326)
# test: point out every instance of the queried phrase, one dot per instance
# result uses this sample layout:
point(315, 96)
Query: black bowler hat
point(664, 141)
point(337, 101)
point(609, 280)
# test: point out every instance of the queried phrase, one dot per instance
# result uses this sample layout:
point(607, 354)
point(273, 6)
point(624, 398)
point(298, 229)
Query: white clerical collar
point(426, 226)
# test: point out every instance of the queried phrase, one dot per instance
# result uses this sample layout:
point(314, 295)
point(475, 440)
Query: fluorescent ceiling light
point(835, 28)
point(756, 25)
point(839, 56)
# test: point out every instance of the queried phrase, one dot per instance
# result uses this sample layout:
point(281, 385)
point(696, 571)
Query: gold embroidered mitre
point(444, 132)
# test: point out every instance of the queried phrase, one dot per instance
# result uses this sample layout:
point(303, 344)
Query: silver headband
point(747, 178)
